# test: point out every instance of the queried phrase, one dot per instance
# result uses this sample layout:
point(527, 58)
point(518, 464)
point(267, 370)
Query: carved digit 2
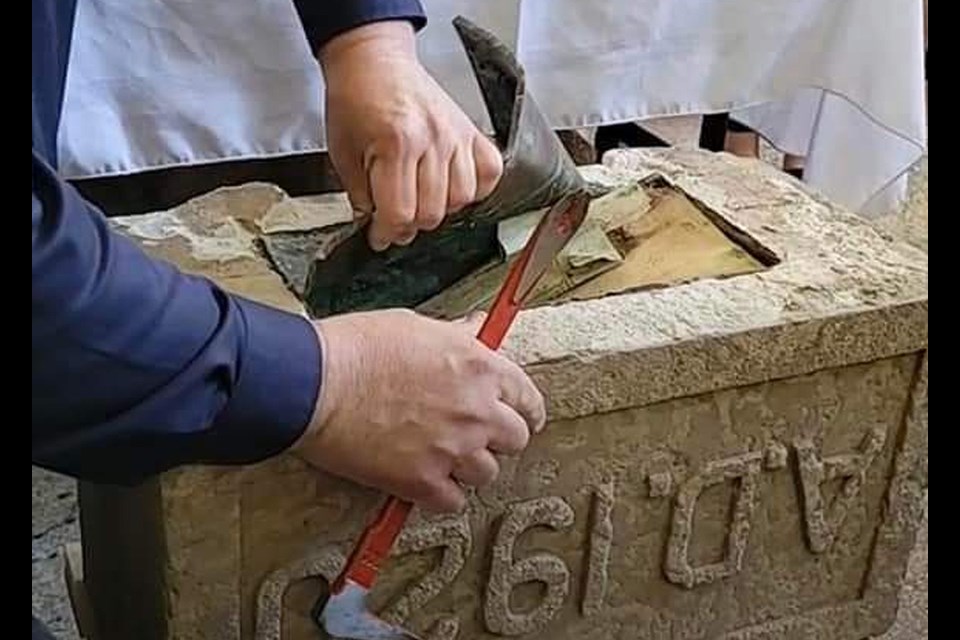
point(454, 537)
point(677, 568)
point(540, 567)
point(325, 564)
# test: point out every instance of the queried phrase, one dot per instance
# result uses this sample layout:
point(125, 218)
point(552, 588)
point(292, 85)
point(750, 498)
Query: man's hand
point(403, 149)
point(416, 407)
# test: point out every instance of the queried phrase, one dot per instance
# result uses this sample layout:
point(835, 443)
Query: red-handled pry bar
point(345, 615)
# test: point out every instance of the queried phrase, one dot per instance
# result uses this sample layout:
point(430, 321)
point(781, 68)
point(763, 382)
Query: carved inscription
point(446, 628)
point(325, 564)
point(599, 542)
point(774, 457)
point(454, 537)
point(824, 521)
point(546, 568)
point(661, 484)
point(744, 469)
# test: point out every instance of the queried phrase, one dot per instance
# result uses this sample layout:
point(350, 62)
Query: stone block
point(735, 458)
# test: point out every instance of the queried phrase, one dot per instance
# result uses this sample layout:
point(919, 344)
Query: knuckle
point(540, 404)
point(483, 470)
point(430, 493)
point(422, 477)
point(395, 138)
point(441, 142)
point(477, 365)
point(397, 218)
point(459, 198)
point(410, 133)
point(523, 437)
point(520, 438)
point(512, 375)
point(429, 219)
point(460, 193)
point(489, 166)
point(534, 399)
point(444, 500)
point(447, 450)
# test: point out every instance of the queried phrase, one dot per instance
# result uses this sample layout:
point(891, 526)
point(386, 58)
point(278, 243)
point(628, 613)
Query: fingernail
point(377, 244)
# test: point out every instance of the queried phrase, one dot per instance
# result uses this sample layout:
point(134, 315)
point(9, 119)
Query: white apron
point(158, 83)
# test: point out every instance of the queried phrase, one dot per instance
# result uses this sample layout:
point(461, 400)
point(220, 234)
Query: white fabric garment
point(154, 84)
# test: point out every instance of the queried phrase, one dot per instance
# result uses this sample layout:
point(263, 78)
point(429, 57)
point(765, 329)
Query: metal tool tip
point(344, 616)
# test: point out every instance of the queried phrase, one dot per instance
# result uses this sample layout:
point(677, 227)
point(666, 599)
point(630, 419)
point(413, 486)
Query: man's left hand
point(404, 151)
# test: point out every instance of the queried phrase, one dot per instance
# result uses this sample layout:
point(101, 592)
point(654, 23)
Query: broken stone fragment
point(292, 253)
point(670, 242)
point(643, 234)
point(215, 235)
point(307, 213)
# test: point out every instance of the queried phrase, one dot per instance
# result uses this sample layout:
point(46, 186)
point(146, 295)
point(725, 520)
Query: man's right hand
point(417, 407)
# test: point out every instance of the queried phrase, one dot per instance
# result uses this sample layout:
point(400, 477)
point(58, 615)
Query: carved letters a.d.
point(823, 521)
point(744, 469)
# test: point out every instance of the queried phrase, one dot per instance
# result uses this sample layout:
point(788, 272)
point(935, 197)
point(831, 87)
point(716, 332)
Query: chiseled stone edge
point(843, 293)
point(215, 493)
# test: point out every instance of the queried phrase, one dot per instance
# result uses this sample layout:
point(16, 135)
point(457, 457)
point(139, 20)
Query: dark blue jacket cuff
point(276, 390)
point(324, 19)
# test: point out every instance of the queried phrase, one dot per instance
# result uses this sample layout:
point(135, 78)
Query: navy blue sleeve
point(138, 368)
point(324, 19)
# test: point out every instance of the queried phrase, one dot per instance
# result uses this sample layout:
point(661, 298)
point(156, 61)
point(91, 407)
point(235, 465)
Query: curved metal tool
point(537, 172)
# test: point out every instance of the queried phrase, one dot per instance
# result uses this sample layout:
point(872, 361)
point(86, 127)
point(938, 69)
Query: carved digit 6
point(505, 575)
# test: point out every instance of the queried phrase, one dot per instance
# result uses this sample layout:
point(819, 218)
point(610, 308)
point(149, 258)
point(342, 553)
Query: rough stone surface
point(215, 235)
point(54, 525)
point(912, 615)
point(910, 222)
point(672, 495)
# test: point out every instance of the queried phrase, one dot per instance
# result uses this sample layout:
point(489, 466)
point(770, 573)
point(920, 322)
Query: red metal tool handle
point(374, 545)
point(506, 306)
point(378, 538)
